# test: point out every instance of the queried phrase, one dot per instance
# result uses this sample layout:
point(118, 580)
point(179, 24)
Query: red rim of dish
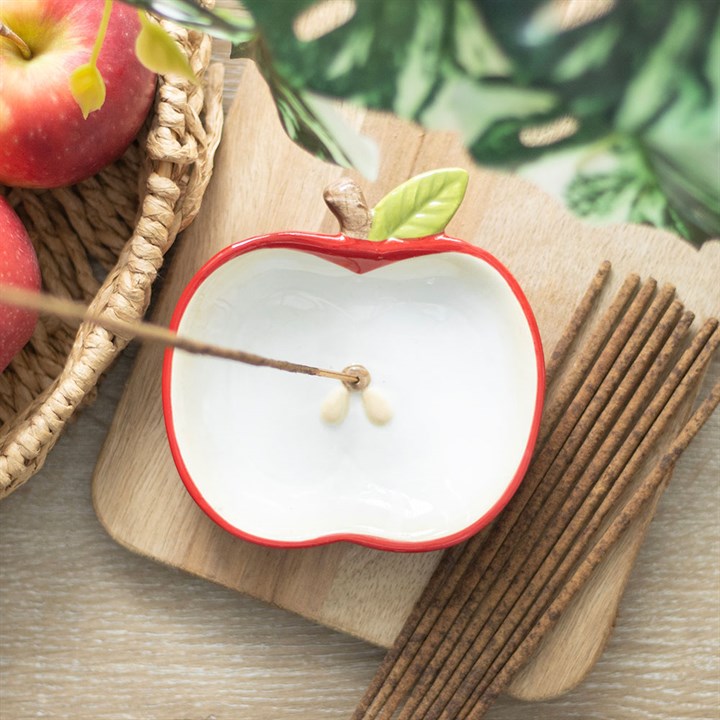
point(359, 256)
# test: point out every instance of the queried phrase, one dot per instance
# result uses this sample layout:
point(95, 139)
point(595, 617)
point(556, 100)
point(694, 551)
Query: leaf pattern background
point(641, 82)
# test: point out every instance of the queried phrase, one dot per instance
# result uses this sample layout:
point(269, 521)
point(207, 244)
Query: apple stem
point(347, 203)
point(21, 45)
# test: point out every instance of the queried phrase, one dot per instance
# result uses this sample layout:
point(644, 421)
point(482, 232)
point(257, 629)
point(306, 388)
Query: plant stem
point(21, 45)
point(104, 22)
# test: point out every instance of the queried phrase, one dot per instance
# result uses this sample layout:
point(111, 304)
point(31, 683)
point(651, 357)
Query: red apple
point(44, 139)
point(18, 267)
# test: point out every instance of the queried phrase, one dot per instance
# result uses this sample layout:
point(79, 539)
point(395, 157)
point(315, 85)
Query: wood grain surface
point(89, 630)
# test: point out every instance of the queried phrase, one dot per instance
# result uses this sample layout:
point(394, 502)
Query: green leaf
point(342, 144)
point(422, 206)
point(616, 181)
point(88, 88)
point(388, 55)
point(476, 109)
point(311, 121)
point(158, 52)
point(236, 27)
point(475, 49)
point(641, 83)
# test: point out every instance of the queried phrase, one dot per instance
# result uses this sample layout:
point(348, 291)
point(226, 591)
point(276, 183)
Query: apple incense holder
point(434, 435)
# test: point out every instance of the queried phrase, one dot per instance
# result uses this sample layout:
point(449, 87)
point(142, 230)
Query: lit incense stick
point(71, 310)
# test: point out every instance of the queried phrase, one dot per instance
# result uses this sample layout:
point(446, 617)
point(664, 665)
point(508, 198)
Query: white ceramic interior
point(445, 340)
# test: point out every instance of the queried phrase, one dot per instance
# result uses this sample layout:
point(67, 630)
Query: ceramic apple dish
point(451, 346)
point(430, 428)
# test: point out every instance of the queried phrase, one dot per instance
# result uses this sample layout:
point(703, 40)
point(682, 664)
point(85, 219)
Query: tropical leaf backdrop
point(633, 94)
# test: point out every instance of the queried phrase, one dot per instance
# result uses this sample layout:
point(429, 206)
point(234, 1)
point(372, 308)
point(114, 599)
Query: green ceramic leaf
point(423, 205)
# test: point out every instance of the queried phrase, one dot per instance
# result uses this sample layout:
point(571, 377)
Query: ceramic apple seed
point(377, 408)
point(336, 405)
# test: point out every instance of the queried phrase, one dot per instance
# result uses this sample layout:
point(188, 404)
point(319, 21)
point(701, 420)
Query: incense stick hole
point(362, 375)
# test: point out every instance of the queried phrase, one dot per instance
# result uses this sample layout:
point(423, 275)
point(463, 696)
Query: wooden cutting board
point(264, 183)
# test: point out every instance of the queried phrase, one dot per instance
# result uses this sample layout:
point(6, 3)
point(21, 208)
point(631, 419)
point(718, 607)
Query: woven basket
point(102, 241)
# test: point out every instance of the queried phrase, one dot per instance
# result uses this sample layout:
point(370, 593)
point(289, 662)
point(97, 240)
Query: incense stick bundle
point(557, 556)
point(613, 332)
point(597, 431)
point(457, 584)
point(576, 468)
point(480, 703)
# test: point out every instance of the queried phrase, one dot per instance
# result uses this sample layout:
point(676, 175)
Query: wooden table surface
point(90, 631)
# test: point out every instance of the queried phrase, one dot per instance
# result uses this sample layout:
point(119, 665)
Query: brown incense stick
point(574, 515)
point(521, 542)
point(630, 510)
point(569, 550)
point(557, 559)
point(70, 310)
point(429, 606)
point(400, 670)
point(499, 587)
point(562, 350)
point(580, 369)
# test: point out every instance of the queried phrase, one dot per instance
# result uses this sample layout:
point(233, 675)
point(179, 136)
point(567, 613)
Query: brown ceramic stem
point(347, 202)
